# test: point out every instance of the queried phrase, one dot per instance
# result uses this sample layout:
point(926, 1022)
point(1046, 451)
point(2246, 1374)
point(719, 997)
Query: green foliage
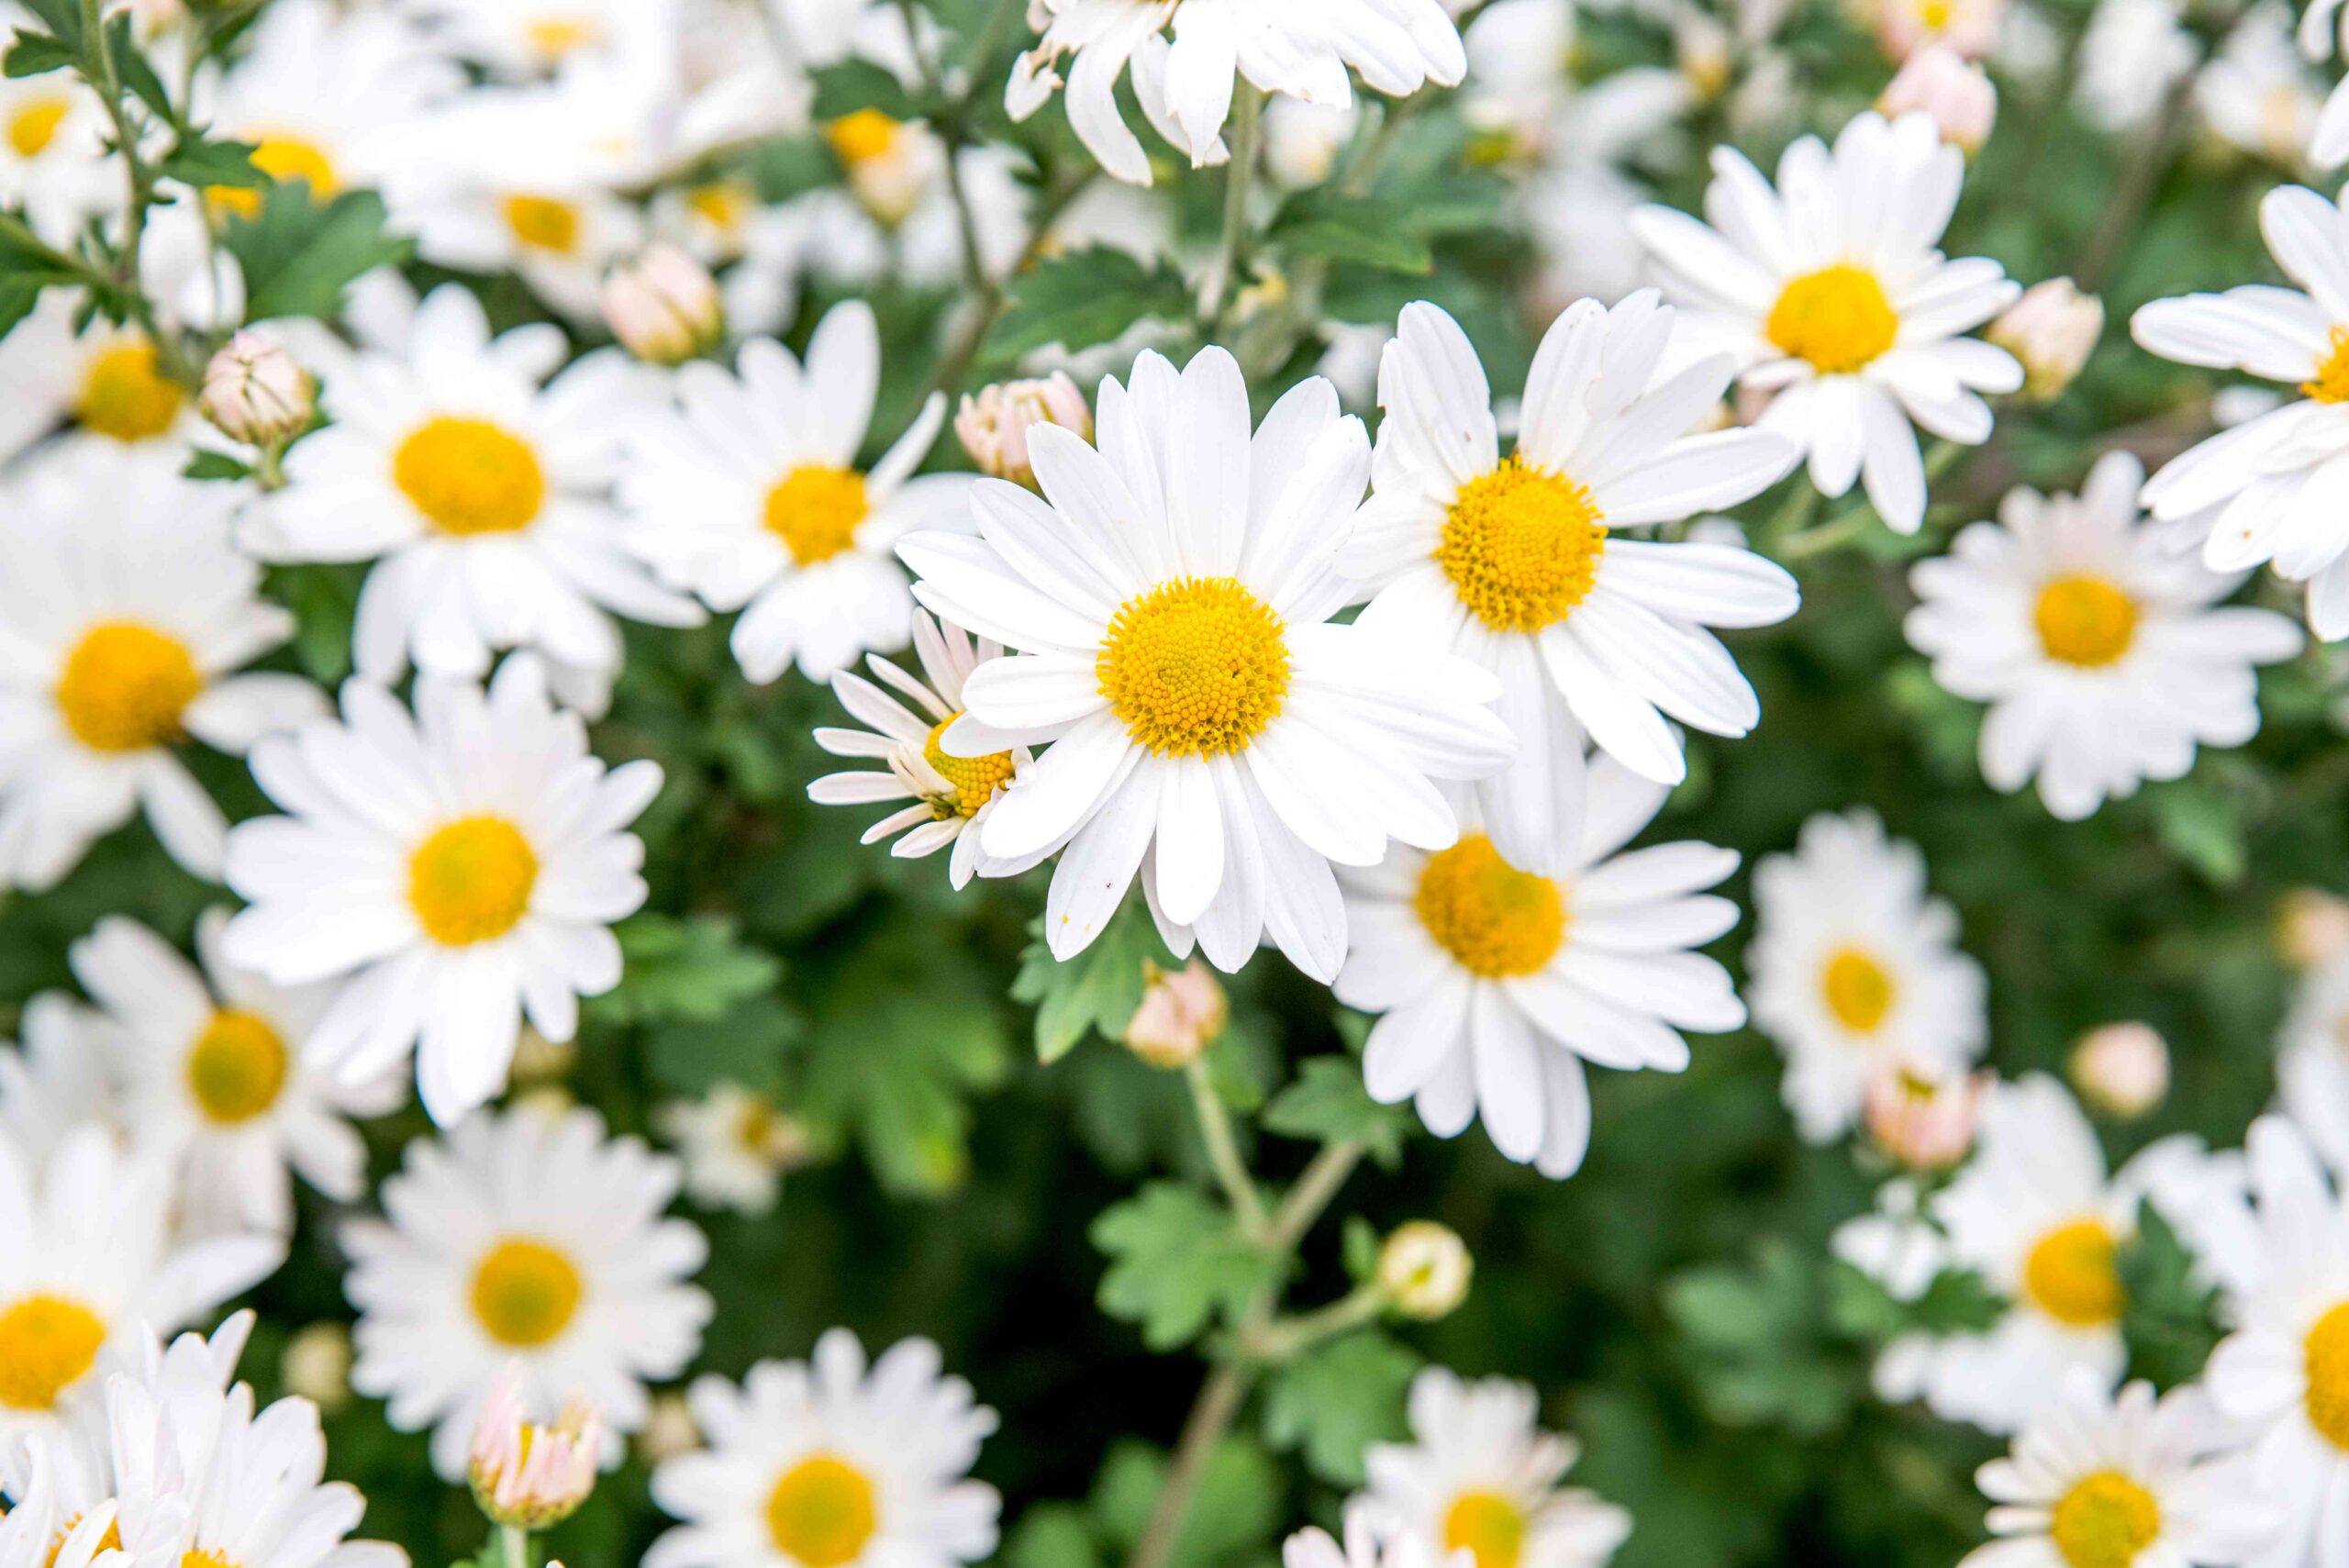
point(1329, 1104)
point(693, 970)
point(299, 254)
point(1177, 1259)
point(2170, 1322)
point(1097, 991)
point(1757, 1335)
point(1336, 1399)
point(1083, 298)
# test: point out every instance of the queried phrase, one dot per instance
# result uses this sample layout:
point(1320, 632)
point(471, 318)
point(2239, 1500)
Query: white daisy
point(531, 1239)
point(124, 612)
point(100, 379)
point(1314, 1547)
point(828, 1463)
point(55, 1079)
point(53, 131)
point(736, 1145)
point(2104, 656)
point(1497, 984)
point(2257, 94)
point(1211, 729)
point(213, 1076)
point(1832, 290)
point(1480, 1475)
point(2273, 486)
point(749, 495)
point(519, 39)
point(1853, 964)
point(1895, 1244)
point(2097, 1480)
point(450, 873)
point(1520, 565)
point(2324, 28)
point(2311, 1060)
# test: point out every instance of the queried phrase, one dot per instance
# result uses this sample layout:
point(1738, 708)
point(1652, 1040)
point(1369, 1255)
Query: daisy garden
point(1174, 783)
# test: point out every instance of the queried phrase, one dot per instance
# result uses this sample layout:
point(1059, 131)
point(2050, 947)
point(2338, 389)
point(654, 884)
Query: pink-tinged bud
point(1180, 1015)
point(254, 393)
point(1424, 1269)
point(525, 1474)
point(2052, 330)
point(1953, 90)
point(1924, 1119)
point(994, 426)
point(664, 307)
point(2313, 928)
point(2122, 1070)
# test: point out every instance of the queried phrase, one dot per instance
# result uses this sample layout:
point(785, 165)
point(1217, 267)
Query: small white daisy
point(520, 39)
point(1211, 729)
point(452, 872)
point(736, 1145)
point(2104, 656)
point(1479, 1475)
point(530, 1239)
point(124, 612)
point(2324, 25)
point(1853, 964)
point(749, 495)
point(2257, 94)
point(1520, 566)
point(1497, 984)
point(828, 1463)
point(56, 1078)
point(53, 132)
point(1833, 292)
point(2311, 1060)
point(1894, 1244)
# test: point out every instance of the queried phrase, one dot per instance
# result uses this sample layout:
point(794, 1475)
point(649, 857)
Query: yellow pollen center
point(2085, 620)
point(469, 476)
point(238, 1067)
point(815, 511)
point(1935, 15)
point(34, 126)
point(2104, 1521)
point(822, 1512)
point(1858, 989)
point(975, 779)
point(1837, 317)
point(524, 1292)
point(1522, 546)
point(721, 203)
point(283, 159)
point(471, 881)
point(125, 686)
point(47, 1344)
point(862, 136)
point(542, 223)
point(2332, 381)
point(1195, 667)
point(552, 37)
point(123, 395)
point(1494, 919)
point(110, 1539)
point(2327, 1351)
point(1488, 1524)
point(206, 1557)
point(2070, 1275)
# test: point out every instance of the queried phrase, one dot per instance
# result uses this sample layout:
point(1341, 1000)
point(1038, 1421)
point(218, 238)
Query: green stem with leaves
point(102, 71)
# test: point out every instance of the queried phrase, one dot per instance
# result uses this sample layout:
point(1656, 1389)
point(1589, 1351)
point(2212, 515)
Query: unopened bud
point(254, 393)
point(664, 307)
point(1923, 1120)
point(2121, 1069)
point(669, 1430)
point(538, 1059)
point(1424, 1269)
point(525, 1475)
point(994, 426)
point(1953, 90)
point(2052, 330)
point(1180, 1015)
point(2313, 928)
point(316, 1365)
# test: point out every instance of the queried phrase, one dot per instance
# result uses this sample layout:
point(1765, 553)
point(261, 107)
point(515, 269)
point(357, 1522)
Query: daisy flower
point(1170, 591)
point(55, 1079)
point(528, 1239)
point(481, 496)
point(2257, 94)
point(53, 131)
point(519, 39)
point(830, 1463)
point(2099, 1479)
point(1831, 291)
point(2104, 656)
point(736, 1145)
point(213, 1075)
point(1480, 1476)
point(1185, 86)
point(449, 872)
point(1497, 984)
point(748, 493)
point(2325, 26)
point(1853, 965)
point(2311, 1060)
point(1520, 566)
point(2272, 487)
point(124, 613)
point(1314, 1547)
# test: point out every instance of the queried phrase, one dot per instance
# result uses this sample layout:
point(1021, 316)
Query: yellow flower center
point(822, 1512)
point(47, 1344)
point(1496, 919)
point(469, 476)
point(238, 1067)
point(1836, 317)
point(975, 779)
point(125, 686)
point(2085, 620)
point(110, 1539)
point(1522, 546)
point(1196, 667)
point(816, 509)
point(2070, 1275)
point(2331, 383)
point(2104, 1521)
point(1488, 1524)
point(1858, 989)
point(283, 159)
point(472, 879)
point(542, 223)
point(124, 396)
point(524, 1292)
point(34, 125)
point(2327, 1353)
point(862, 136)
point(721, 203)
point(553, 36)
point(1935, 15)
point(206, 1557)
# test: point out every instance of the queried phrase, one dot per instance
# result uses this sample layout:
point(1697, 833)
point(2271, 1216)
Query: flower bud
point(994, 426)
point(1180, 1015)
point(316, 1365)
point(1924, 1118)
point(669, 1429)
point(539, 1060)
point(255, 392)
point(2313, 928)
point(664, 307)
point(2053, 328)
point(1954, 92)
point(2122, 1070)
point(1424, 1269)
point(525, 1474)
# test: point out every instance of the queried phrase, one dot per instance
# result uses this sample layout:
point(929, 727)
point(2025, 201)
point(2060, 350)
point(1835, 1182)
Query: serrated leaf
point(203, 162)
point(1175, 1259)
point(745, 1047)
point(1328, 1103)
point(34, 54)
point(1337, 1399)
point(1364, 231)
point(298, 254)
point(138, 72)
point(694, 970)
point(1097, 990)
point(1085, 297)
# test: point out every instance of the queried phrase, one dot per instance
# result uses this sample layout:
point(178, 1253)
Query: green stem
point(1853, 522)
point(1313, 1190)
point(1211, 1415)
point(1247, 107)
point(1223, 1153)
point(1286, 1338)
point(516, 1541)
point(128, 282)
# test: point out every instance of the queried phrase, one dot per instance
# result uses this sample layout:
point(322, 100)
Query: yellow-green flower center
point(2085, 620)
point(236, 1069)
point(975, 779)
point(124, 396)
point(524, 1292)
point(47, 1344)
point(1489, 1525)
point(1195, 667)
point(2069, 1274)
point(816, 509)
point(125, 686)
point(2104, 1521)
point(1837, 317)
point(1496, 921)
point(470, 476)
point(822, 1512)
point(1522, 546)
point(471, 881)
point(1858, 989)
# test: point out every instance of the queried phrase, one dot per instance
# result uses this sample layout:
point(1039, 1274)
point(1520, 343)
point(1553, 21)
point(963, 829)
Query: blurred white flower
point(2122, 1070)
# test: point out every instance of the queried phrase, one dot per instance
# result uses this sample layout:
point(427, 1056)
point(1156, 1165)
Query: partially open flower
point(525, 1475)
point(664, 307)
point(255, 392)
point(1924, 1119)
point(1953, 90)
point(1180, 1015)
point(2121, 1069)
point(1424, 1269)
point(2052, 330)
point(994, 426)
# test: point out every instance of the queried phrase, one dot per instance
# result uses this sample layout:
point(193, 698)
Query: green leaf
point(1337, 1399)
point(1176, 1259)
point(1232, 1514)
point(298, 255)
point(32, 54)
point(1758, 1336)
point(1085, 297)
point(2201, 827)
point(214, 465)
point(854, 85)
point(1052, 1535)
point(203, 162)
point(745, 1047)
point(1360, 229)
point(2169, 1322)
point(137, 71)
point(1329, 1104)
point(16, 302)
point(694, 970)
point(1097, 990)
